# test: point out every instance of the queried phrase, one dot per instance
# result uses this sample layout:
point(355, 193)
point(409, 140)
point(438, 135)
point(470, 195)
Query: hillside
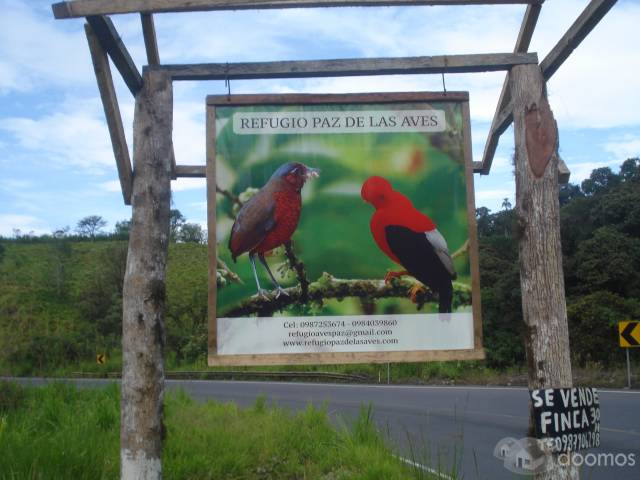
point(61, 298)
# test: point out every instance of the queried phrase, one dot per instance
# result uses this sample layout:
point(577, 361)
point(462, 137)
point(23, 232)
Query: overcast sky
point(55, 155)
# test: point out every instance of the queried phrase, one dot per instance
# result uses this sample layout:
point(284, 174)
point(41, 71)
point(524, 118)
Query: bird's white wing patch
point(436, 239)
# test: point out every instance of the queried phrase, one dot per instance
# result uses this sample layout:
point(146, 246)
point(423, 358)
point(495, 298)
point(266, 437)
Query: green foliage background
point(333, 234)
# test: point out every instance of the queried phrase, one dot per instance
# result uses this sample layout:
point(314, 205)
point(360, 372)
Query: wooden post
point(538, 213)
point(143, 331)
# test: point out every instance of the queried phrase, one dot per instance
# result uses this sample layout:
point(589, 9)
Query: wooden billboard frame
point(213, 359)
point(525, 82)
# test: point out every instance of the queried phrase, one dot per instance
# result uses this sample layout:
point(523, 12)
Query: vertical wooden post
point(143, 331)
point(538, 213)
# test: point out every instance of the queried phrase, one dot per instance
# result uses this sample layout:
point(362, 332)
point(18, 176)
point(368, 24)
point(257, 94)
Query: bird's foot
point(391, 275)
point(281, 291)
point(414, 291)
point(264, 294)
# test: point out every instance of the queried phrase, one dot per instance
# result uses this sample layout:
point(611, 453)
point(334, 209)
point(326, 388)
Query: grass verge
point(58, 431)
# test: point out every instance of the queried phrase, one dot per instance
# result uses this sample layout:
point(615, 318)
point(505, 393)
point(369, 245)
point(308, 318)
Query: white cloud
point(37, 51)
point(198, 205)
point(25, 223)
point(111, 186)
point(74, 136)
point(597, 87)
point(582, 171)
point(189, 141)
point(492, 194)
point(623, 148)
point(501, 164)
point(182, 184)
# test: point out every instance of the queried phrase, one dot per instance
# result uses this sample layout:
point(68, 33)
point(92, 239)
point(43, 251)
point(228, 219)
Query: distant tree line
point(92, 227)
point(600, 227)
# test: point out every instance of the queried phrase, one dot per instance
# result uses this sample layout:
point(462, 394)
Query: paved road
point(455, 428)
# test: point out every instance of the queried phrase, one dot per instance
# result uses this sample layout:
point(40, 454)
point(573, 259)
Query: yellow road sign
point(101, 358)
point(629, 334)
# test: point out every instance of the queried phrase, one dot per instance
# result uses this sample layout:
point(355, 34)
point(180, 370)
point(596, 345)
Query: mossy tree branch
point(298, 267)
point(234, 199)
point(329, 287)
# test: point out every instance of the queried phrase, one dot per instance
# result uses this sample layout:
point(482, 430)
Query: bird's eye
point(294, 171)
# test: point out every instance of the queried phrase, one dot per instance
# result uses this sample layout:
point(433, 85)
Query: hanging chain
point(227, 82)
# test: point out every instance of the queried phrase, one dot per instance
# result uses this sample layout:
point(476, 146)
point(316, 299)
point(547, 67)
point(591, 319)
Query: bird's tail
point(445, 298)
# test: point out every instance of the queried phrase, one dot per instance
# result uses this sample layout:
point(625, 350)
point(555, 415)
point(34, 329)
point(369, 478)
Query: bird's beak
point(311, 173)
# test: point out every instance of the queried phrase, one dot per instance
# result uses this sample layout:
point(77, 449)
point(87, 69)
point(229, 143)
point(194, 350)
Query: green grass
point(59, 432)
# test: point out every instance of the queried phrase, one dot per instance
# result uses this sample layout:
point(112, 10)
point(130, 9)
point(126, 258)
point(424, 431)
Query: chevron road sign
point(629, 334)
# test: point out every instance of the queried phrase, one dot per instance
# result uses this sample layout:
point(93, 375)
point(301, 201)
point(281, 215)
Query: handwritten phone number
point(574, 441)
point(340, 323)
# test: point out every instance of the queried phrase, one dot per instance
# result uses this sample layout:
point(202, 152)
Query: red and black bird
point(270, 217)
point(410, 239)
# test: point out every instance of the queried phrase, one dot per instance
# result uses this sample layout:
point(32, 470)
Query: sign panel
point(341, 229)
point(629, 334)
point(568, 418)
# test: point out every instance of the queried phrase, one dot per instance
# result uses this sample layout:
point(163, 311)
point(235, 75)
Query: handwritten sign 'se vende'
point(569, 418)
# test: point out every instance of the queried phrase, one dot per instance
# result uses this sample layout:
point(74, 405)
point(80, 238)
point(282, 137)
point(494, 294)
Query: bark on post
point(143, 332)
point(538, 213)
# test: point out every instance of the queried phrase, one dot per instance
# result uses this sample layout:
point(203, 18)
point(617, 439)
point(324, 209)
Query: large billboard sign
point(341, 229)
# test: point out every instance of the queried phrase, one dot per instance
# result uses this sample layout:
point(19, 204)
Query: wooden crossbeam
point(584, 24)
point(150, 41)
point(83, 8)
point(563, 172)
point(522, 45)
point(588, 19)
point(350, 67)
point(112, 113)
point(111, 42)
point(191, 171)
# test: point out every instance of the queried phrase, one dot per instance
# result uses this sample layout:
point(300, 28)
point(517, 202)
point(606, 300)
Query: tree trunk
point(143, 332)
point(538, 213)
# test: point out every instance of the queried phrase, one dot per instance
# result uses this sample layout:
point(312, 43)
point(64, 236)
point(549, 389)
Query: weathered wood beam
point(527, 28)
point(111, 112)
point(112, 43)
point(150, 41)
point(191, 171)
point(82, 8)
point(144, 292)
point(584, 24)
point(544, 308)
point(504, 119)
point(350, 67)
point(173, 164)
point(333, 98)
point(588, 19)
point(564, 174)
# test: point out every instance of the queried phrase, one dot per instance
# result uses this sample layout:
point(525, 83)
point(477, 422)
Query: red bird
point(410, 239)
point(270, 217)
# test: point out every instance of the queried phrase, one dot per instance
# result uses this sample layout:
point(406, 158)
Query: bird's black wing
point(255, 219)
point(420, 258)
